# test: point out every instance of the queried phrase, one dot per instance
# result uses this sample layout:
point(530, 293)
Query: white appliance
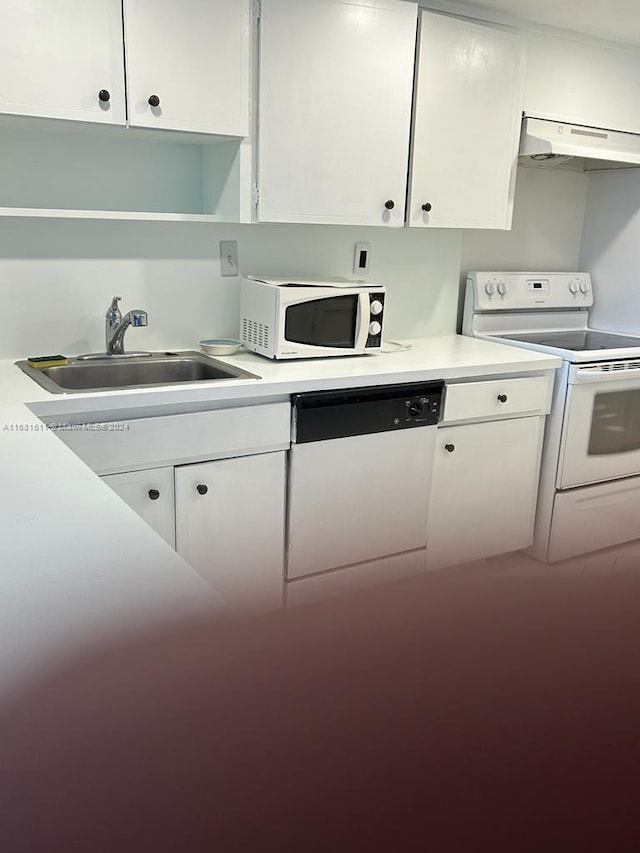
point(359, 483)
point(553, 142)
point(589, 496)
point(304, 318)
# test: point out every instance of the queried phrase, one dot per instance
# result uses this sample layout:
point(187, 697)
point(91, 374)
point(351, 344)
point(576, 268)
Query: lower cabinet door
point(484, 493)
point(230, 526)
point(151, 495)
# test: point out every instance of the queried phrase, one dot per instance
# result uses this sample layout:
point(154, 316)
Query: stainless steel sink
point(110, 373)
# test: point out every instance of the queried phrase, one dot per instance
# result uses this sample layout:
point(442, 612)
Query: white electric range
point(589, 493)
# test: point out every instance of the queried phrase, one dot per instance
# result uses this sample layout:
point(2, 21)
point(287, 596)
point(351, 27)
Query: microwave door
point(327, 322)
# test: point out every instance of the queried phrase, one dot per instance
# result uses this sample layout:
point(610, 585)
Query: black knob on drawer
point(154, 101)
point(390, 204)
point(154, 494)
point(502, 398)
point(426, 206)
point(104, 95)
point(450, 447)
point(202, 489)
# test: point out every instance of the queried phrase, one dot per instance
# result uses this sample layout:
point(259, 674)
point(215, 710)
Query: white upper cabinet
point(62, 60)
point(188, 65)
point(467, 111)
point(582, 83)
point(335, 84)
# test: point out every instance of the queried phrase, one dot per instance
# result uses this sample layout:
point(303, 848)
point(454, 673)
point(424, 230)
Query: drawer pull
point(104, 95)
point(154, 494)
point(154, 101)
point(502, 398)
point(450, 447)
point(202, 489)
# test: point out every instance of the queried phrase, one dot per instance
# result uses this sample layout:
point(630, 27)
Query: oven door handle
point(589, 375)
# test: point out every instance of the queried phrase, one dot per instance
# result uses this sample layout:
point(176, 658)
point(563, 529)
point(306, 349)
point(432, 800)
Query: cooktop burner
point(579, 341)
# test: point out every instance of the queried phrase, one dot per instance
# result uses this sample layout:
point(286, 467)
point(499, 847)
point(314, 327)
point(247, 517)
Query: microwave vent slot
point(255, 333)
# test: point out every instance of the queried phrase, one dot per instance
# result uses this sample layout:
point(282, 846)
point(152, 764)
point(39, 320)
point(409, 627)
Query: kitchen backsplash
point(57, 276)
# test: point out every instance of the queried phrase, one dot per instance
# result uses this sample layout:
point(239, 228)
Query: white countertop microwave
point(303, 318)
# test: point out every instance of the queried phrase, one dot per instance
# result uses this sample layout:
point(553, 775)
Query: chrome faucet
point(117, 325)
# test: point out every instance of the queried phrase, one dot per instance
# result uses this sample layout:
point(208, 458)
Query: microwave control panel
point(376, 314)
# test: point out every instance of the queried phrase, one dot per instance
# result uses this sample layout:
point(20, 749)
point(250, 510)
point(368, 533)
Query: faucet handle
point(139, 318)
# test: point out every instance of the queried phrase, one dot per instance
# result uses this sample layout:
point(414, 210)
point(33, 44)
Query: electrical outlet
point(361, 259)
point(228, 257)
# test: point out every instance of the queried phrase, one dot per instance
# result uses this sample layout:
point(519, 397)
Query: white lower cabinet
point(230, 526)
point(484, 492)
point(151, 494)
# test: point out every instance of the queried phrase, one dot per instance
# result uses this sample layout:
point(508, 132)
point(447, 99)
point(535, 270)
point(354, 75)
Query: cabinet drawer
point(529, 395)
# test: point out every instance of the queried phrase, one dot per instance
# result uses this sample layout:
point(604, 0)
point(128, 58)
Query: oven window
point(615, 424)
point(326, 322)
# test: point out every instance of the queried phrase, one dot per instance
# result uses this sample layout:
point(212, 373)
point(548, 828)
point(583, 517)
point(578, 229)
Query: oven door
point(601, 430)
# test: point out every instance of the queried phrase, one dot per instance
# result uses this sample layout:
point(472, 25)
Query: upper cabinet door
point(62, 60)
point(188, 65)
point(468, 99)
point(336, 81)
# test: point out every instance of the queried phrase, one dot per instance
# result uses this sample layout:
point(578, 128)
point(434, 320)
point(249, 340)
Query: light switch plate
point(228, 257)
point(361, 258)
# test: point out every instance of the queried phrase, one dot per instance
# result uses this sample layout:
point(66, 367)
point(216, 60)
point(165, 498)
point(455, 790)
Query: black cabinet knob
point(104, 95)
point(154, 101)
point(202, 489)
point(390, 204)
point(154, 494)
point(426, 206)
point(502, 398)
point(450, 447)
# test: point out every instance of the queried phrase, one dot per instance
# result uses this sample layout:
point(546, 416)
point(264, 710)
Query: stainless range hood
point(553, 143)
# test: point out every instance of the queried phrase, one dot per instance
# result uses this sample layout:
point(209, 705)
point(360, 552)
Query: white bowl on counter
point(220, 346)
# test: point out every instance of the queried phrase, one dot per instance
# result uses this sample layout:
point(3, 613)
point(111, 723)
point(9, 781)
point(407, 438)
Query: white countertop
point(447, 357)
point(77, 563)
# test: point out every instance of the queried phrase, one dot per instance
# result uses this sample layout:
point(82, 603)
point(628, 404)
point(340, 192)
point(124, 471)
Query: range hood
point(553, 143)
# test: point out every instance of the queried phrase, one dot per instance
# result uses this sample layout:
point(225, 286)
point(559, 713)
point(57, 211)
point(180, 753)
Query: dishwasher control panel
point(360, 411)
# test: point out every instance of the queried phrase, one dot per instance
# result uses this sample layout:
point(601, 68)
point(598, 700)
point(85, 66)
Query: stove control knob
point(415, 408)
point(584, 287)
point(490, 288)
point(502, 288)
point(376, 307)
point(573, 286)
point(375, 328)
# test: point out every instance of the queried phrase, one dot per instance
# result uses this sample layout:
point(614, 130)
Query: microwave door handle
point(364, 318)
point(587, 375)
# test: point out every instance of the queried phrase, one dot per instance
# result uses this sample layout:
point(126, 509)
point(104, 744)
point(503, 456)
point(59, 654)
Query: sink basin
point(121, 372)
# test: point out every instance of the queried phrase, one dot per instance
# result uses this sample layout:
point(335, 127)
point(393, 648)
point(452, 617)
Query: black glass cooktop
point(579, 341)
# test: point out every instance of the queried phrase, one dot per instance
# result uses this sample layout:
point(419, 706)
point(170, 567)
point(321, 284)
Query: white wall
point(547, 225)
point(611, 248)
point(57, 276)
point(546, 230)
